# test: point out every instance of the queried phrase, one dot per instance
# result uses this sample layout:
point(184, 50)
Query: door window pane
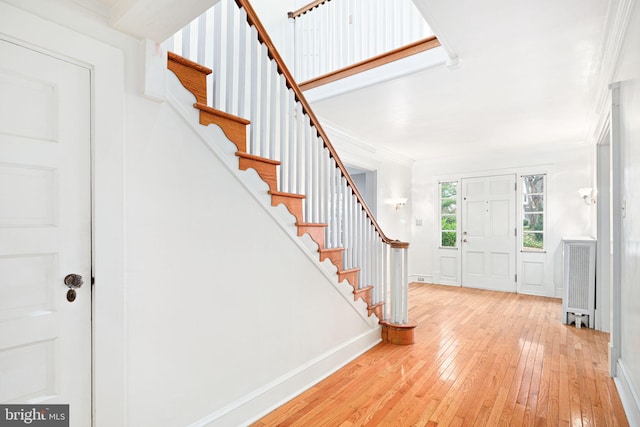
point(533, 240)
point(449, 239)
point(533, 184)
point(533, 208)
point(449, 214)
point(532, 204)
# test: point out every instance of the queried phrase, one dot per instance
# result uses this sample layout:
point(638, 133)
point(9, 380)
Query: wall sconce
point(588, 195)
point(398, 203)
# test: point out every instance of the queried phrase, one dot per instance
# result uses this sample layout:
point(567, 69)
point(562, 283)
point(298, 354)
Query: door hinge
point(515, 186)
point(515, 231)
point(93, 280)
point(516, 278)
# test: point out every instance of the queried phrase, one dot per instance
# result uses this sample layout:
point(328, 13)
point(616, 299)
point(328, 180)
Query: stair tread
point(372, 306)
point(203, 107)
point(352, 270)
point(256, 158)
point(332, 250)
point(366, 288)
point(188, 63)
point(311, 224)
point(292, 195)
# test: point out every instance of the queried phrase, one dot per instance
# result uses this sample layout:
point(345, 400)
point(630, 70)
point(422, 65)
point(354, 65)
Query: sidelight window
point(449, 214)
point(533, 209)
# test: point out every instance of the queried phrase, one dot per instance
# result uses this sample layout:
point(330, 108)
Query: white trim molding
point(617, 20)
point(278, 392)
point(628, 395)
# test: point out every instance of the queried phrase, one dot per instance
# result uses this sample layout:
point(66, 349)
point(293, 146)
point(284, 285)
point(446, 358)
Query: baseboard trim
point(628, 395)
point(261, 401)
point(426, 278)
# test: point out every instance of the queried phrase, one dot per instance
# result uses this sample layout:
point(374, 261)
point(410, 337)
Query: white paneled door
point(45, 231)
point(488, 233)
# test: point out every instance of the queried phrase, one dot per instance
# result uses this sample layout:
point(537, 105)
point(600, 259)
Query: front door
point(45, 231)
point(489, 233)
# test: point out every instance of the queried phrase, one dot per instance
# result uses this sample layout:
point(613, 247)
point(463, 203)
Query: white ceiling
point(526, 76)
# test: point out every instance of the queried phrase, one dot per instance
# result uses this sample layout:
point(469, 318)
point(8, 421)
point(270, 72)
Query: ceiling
point(526, 76)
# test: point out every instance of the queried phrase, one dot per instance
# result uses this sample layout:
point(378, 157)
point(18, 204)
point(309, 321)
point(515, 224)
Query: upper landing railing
point(334, 35)
point(250, 80)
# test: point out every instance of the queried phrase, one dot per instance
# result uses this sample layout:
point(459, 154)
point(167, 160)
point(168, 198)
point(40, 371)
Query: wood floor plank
point(481, 358)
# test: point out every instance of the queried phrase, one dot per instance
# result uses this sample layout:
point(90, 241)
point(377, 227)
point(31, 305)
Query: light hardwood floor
point(481, 358)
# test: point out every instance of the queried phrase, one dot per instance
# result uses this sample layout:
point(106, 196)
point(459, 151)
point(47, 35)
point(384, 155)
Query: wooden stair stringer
point(293, 202)
point(266, 168)
point(376, 309)
point(364, 294)
point(235, 128)
point(314, 230)
point(350, 276)
point(334, 255)
point(192, 75)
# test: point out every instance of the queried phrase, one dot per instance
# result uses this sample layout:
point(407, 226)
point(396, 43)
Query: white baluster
point(254, 91)
point(218, 43)
point(242, 62)
point(317, 176)
point(363, 245)
point(186, 41)
point(308, 175)
point(369, 261)
point(297, 54)
point(348, 226)
point(274, 136)
point(405, 286)
point(378, 275)
point(334, 217)
point(324, 191)
point(385, 282)
point(355, 228)
point(291, 140)
point(263, 118)
point(300, 134)
point(202, 34)
point(230, 48)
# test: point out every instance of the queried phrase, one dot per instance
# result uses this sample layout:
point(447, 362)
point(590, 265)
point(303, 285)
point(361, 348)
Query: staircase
point(292, 154)
point(193, 78)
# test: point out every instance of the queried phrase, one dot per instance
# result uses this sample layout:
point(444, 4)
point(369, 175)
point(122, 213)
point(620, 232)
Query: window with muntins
point(449, 214)
point(533, 189)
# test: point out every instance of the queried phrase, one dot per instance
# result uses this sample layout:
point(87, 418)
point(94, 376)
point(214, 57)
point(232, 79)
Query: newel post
point(397, 328)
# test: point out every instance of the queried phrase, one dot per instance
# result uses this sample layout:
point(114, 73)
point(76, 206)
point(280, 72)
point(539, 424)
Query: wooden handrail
point(305, 9)
point(373, 62)
point(254, 21)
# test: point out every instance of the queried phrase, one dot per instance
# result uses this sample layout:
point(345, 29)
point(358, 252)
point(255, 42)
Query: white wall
point(628, 72)
point(195, 319)
point(568, 167)
point(206, 263)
